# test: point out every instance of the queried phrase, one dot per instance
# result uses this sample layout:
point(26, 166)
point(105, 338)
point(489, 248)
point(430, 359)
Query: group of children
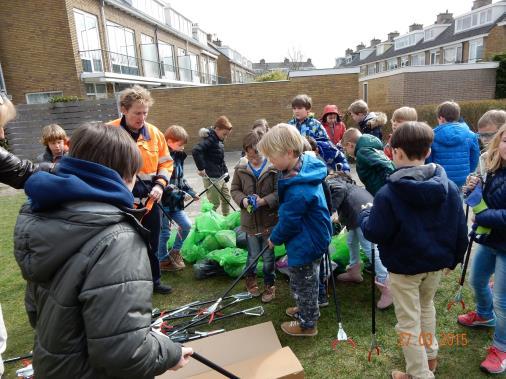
point(291, 182)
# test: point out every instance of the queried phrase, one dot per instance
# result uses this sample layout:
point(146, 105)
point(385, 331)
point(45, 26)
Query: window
point(475, 50)
point(151, 8)
point(371, 69)
point(429, 34)
point(41, 97)
point(183, 61)
point(418, 59)
point(453, 54)
point(405, 61)
point(199, 35)
point(408, 40)
point(180, 23)
point(473, 20)
point(212, 71)
point(2, 80)
point(392, 64)
point(96, 91)
point(149, 57)
point(194, 68)
point(118, 87)
point(365, 90)
point(88, 41)
point(434, 56)
point(122, 45)
point(166, 52)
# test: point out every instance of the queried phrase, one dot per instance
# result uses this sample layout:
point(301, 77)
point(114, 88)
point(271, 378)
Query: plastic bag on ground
point(210, 243)
point(209, 221)
point(232, 221)
point(226, 238)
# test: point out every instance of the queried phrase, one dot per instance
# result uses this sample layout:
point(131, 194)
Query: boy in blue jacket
point(304, 222)
point(418, 222)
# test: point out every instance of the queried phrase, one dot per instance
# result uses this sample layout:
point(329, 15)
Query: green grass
point(315, 354)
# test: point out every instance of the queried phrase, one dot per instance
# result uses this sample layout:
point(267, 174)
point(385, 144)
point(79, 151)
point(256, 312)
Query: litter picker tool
point(220, 179)
point(374, 344)
point(341, 334)
point(210, 311)
point(20, 358)
point(458, 296)
point(221, 193)
point(185, 336)
point(213, 366)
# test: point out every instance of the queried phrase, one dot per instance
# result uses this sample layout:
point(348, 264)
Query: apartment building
point(233, 67)
point(95, 48)
point(287, 65)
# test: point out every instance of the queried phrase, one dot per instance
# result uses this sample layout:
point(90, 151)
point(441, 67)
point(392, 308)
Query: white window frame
point(405, 61)
point(453, 52)
point(122, 59)
point(91, 50)
point(474, 20)
point(436, 53)
point(371, 69)
point(169, 64)
point(472, 58)
point(51, 93)
point(393, 66)
point(95, 94)
point(418, 59)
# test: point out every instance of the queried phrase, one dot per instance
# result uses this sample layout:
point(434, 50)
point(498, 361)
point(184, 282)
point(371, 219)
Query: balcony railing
point(107, 61)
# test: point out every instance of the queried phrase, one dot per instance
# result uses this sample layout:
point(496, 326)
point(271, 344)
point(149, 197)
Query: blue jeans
point(184, 224)
point(255, 244)
point(355, 239)
point(487, 262)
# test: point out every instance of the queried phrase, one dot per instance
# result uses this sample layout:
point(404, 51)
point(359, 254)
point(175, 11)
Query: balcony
point(101, 66)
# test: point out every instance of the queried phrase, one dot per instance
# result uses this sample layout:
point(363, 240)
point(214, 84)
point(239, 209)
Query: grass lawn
point(316, 354)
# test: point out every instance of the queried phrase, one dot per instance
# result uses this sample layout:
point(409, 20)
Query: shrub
point(63, 99)
point(272, 76)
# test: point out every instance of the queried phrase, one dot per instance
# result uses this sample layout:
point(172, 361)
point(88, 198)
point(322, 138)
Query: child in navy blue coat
point(304, 222)
point(418, 222)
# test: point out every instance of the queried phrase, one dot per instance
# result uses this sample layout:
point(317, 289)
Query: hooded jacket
point(418, 221)
point(311, 127)
point(455, 148)
point(304, 222)
point(89, 279)
point(373, 166)
point(245, 183)
point(173, 195)
point(335, 132)
point(209, 154)
point(372, 124)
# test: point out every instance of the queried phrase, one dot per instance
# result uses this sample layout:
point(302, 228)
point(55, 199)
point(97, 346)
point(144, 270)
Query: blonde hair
point(281, 139)
point(496, 117)
point(52, 133)
point(405, 114)
point(494, 161)
point(7, 110)
point(176, 133)
point(358, 106)
point(351, 135)
point(133, 94)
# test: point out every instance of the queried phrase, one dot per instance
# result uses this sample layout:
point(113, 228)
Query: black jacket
point(173, 195)
point(14, 171)
point(209, 154)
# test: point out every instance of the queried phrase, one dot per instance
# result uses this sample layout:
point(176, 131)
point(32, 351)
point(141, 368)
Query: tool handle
point(213, 366)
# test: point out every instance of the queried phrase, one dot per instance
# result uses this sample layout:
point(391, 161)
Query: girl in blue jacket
point(488, 200)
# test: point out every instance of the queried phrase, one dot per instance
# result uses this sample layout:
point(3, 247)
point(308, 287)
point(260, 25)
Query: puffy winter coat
point(89, 278)
point(373, 166)
point(245, 183)
point(335, 132)
point(455, 148)
point(173, 195)
point(310, 127)
point(494, 194)
point(304, 222)
point(14, 171)
point(209, 154)
point(372, 124)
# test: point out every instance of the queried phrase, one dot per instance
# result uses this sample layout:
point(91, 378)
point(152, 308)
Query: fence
point(25, 131)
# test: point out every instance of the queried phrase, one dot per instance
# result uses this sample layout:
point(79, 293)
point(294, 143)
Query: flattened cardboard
point(254, 352)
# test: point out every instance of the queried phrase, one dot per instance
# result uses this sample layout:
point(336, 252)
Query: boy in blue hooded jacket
point(304, 222)
point(418, 222)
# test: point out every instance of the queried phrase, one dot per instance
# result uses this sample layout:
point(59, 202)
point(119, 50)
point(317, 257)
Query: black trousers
point(153, 222)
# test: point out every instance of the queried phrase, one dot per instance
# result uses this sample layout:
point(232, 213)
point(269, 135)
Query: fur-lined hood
point(375, 119)
point(204, 132)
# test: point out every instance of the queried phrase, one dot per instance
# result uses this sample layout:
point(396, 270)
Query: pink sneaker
point(495, 362)
point(472, 320)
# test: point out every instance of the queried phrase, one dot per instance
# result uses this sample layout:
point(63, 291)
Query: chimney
point(444, 18)
point(392, 35)
point(309, 61)
point(374, 42)
point(262, 61)
point(348, 52)
point(360, 46)
point(480, 3)
point(415, 26)
point(286, 61)
point(209, 37)
point(217, 42)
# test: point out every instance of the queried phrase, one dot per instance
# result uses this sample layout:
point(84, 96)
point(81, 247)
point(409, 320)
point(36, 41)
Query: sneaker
point(269, 294)
point(400, 375)
point(177, 259)
point(322, 303)
point(472, 320)
point(162, 289)
point(293, 328)
point(252, 286)
point(293, 312)
point(495, 362)
point(168, 266)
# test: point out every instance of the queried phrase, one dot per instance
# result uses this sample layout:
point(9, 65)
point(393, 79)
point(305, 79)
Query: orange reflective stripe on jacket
point(155, 153)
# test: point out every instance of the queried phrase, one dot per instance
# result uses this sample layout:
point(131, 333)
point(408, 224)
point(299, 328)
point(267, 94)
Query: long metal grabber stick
point(221, 193)
point(213, 366)
point(220, 179)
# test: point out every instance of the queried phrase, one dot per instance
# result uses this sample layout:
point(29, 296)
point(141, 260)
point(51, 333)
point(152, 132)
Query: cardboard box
point(253, 352)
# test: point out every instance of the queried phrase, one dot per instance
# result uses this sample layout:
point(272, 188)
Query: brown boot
point(177, 259)
point(269, 294)
point(352, 274)
point(252, 286)
point(432, 365)
point(400, 375)
point(386, 298)
point(168, 266)
point(293, 328)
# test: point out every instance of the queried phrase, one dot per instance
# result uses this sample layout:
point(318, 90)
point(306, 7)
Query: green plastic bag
point(209, 221)
point(210, 243)
point(226, 238)
point(232, 221)
point(172, 239)
point(279, 251)
point(188, 242)
point(340, 253)
point(229, 255)
point(194, 254)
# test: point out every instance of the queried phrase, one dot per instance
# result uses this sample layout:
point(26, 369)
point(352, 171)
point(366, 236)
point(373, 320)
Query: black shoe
point(162, 289)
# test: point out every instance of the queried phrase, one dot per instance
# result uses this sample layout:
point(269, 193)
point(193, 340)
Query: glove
point(475, 201)
point(252, 204)
point(227, 178)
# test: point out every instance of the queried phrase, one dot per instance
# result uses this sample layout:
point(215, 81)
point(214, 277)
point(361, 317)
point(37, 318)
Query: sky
point(319, 29)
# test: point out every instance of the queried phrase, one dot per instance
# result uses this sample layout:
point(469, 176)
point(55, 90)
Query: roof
point(279, 65)
point(446, 37)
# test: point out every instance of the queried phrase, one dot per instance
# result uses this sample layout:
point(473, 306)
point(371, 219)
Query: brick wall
point(197, 107)
point(223, 68)
point(36, 49)
point(495, 42)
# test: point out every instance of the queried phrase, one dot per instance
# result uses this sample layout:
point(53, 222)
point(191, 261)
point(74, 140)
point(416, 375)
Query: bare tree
point(296, 58)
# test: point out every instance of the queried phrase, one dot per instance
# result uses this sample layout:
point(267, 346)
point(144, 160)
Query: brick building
point(287, 65)
point(233, 67)
point(94, 48)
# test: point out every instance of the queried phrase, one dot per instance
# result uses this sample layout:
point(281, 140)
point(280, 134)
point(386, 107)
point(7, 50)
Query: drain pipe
point(106, 37)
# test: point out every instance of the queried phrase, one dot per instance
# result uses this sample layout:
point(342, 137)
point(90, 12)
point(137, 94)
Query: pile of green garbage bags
point(216, 240)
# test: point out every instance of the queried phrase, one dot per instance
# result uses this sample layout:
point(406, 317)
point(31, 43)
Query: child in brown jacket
point(254, 189)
